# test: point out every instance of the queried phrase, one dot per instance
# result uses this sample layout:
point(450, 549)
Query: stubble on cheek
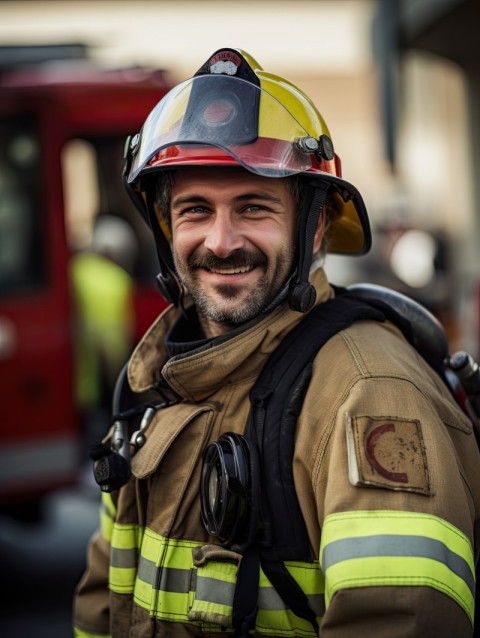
point(234, 303)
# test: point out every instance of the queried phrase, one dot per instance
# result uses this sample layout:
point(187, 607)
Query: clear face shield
point(229, 114)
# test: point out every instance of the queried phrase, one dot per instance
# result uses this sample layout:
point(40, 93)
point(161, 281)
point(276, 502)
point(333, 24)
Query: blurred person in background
point(236, 174)
point(103, 289)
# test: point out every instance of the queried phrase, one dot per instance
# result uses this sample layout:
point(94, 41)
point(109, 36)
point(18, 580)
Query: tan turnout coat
point(368, 386)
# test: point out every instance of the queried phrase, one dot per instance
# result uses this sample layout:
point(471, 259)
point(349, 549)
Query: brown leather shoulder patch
point(387, 452)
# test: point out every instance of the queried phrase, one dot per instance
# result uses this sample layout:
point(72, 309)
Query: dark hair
point(164, 181)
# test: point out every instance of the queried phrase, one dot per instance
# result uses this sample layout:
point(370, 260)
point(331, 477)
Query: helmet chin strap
point(302, 294)
point(170, 287)
point(167, 281)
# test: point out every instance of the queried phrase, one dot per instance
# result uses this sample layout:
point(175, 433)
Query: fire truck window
point(81, 191)
point(21, 250)
point(92, 170)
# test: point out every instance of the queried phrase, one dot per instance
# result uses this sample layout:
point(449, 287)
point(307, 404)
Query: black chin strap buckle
point(302, 296)
point(164, 283)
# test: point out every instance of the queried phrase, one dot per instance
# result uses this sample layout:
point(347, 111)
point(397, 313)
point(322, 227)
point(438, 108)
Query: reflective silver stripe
point(173, 580)
point(146, 570)
point(270, 600)
point(181, 581)
point(397, 545)
point(317, 604)
point(170, 579)
point(166, 580)
point(125, 558)
point(216, 591)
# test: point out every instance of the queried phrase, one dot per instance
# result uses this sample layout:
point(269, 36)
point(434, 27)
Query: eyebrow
point(185, 199)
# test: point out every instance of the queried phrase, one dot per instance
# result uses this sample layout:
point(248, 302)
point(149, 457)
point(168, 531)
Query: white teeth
point(232, 271)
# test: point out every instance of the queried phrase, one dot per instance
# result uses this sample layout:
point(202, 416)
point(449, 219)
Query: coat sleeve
point(397, 490)
point(91, 608)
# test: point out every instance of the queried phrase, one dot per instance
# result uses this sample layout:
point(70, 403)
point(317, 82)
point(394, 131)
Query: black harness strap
point(245, 600)
point(276, 401)
point(281, 389)
point(290, 591)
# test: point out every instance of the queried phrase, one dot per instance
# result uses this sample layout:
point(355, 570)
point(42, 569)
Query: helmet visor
point(226, 113)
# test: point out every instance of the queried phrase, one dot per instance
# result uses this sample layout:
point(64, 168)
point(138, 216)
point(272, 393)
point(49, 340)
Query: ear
point(317, 242)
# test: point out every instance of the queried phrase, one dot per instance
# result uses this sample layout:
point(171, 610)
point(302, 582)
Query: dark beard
point(263, 295)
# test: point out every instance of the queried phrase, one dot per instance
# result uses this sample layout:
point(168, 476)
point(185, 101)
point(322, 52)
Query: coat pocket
point(216, 577)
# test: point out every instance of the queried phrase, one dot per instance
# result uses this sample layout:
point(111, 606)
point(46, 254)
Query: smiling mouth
point(238, 270)
point(240, 262)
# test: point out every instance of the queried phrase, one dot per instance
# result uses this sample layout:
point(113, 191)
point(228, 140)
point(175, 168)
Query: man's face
point(233, 242)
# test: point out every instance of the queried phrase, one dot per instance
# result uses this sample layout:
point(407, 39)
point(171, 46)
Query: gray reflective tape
point(270, 600)
point(124, 558)
point(169, 579)
point(214, 591)
point(182, 581)
point(397, 545)
point(146, 570)
point(316, 602)
point(174, 580)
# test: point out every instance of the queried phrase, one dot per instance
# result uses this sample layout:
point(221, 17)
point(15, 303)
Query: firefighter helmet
point(233, 113)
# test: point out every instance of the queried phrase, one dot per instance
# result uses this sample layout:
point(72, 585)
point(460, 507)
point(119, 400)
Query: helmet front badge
point(225, 63)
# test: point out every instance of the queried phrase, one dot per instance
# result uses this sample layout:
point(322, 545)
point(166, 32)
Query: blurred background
point(398, 83)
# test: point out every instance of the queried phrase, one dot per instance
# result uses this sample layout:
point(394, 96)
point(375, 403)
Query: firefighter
point(103, 292)
point(236, 173)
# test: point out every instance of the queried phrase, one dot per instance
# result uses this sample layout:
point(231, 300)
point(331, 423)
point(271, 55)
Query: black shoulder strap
point(276, 401)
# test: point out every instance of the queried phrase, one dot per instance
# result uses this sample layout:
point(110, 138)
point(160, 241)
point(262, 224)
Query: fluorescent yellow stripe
point(400, 571)
point(380, 548)
point(108, 511)
point(125, 543)
point(179, 551)
point(283, 623)
point(215, 613)
point(274, 618)
point(122, 580)
point(107, 502)
point(309, 575)
point(364, 523)
point(225, 572)
point(126, 536)
point(205, 606)
point(78, 633)
point(173, 606)
point(160, 574)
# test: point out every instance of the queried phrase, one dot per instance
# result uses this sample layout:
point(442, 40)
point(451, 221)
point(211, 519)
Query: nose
point(223, 236)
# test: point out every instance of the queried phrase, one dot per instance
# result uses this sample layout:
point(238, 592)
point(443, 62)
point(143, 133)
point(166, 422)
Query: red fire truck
point(61, 124)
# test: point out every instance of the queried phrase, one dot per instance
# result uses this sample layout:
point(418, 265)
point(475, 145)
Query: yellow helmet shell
point(292, 98)
point(232, 112)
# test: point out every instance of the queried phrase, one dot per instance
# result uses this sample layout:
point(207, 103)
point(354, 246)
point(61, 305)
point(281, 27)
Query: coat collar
point(198, 374)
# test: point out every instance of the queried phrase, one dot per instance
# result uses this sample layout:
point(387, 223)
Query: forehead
point(227, 181)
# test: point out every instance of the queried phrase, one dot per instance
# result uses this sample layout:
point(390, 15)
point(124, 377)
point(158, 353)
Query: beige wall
point(350, 106)
point(325, 48)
